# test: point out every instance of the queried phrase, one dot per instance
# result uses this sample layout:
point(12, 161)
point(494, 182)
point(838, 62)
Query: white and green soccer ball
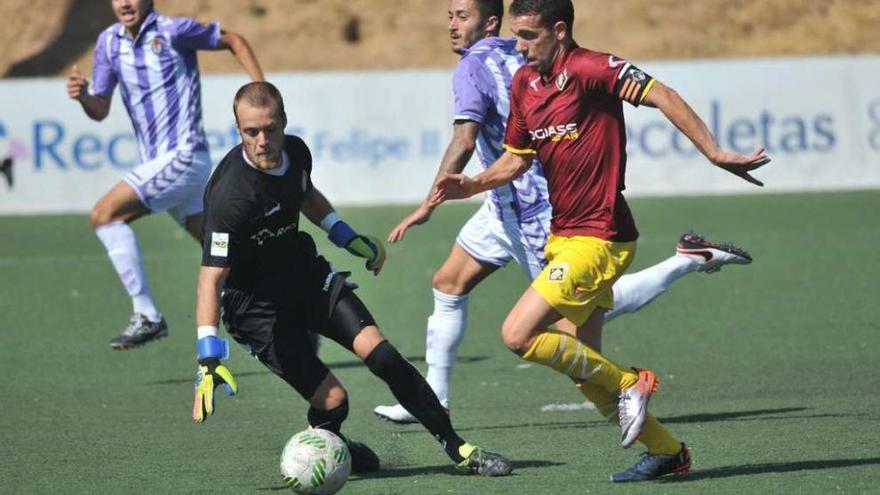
point(315, 461)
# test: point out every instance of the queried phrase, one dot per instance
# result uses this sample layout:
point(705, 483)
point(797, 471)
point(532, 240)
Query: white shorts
point(496, 242)
point(173, 182)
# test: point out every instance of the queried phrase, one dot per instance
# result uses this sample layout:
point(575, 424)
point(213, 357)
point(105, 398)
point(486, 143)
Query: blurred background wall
point(45, 37)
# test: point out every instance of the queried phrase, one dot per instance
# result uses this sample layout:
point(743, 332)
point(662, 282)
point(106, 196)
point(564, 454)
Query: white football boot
point(710, 255)
point(395, 414)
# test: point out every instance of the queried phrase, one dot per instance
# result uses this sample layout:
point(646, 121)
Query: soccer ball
point(315, 461)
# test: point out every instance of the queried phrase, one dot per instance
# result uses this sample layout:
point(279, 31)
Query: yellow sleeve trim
point(517, 151)
point(645, 91)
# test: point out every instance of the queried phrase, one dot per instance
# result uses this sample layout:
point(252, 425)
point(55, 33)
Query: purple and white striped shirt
point(158, 74)
point(481, 84)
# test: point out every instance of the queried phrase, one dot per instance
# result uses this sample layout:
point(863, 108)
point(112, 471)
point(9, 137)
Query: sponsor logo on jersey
point(615, 62)
point(569, 132)
point(265, 234)
point(534, 83)
point(219, 244)
point(273, 210)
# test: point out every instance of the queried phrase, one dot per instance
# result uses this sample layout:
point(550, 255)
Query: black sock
point(413, 392)
point(330, 420)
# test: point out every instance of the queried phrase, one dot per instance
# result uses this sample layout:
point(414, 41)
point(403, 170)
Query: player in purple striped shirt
point(152, 58)
point(513, 223)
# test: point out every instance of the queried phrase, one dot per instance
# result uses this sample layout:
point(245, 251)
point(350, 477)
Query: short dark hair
point(488, 8)
point(551, 11)
point(259, 94)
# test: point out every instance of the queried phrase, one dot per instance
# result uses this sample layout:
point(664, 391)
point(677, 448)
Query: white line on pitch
point(568, 406)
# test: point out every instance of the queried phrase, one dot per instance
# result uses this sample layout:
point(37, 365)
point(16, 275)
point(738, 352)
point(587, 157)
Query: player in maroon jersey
point(566, 109)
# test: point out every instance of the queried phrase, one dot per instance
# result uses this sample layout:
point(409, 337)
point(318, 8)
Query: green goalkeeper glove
point(370, 248)
point(209, 375)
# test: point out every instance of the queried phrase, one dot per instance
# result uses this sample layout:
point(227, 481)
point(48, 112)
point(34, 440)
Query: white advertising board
point(377, 137)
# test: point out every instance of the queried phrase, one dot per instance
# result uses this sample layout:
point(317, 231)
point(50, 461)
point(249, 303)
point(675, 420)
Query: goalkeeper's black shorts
point(277, 331)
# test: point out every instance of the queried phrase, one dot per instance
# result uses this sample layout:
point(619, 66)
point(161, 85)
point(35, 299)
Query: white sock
point(122, 247)
point(633, 292)
point(445, 331)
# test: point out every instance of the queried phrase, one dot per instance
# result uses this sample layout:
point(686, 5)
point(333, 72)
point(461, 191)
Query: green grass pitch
point(769, 372)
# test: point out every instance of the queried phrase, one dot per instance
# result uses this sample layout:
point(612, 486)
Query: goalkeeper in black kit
point(266, 279)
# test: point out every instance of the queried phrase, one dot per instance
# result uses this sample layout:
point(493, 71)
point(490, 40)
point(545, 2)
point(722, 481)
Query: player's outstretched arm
point(688, 122)
point(506, 168)
point(457, 155)
point(317, 208)
point(96, 107)
point(211, 349)
point(242, 51)
point(418, 216)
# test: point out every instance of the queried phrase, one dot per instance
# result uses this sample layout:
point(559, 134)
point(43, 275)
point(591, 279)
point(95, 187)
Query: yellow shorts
point(580, 272)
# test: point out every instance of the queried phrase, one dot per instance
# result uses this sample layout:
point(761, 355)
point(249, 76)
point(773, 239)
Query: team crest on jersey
point(157, 44)
point(556, 273)
point(562, 79)
point(219, 244)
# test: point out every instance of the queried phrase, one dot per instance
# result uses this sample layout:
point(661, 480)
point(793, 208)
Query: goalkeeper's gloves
point(209, 375)
point(369, 248)
point(342, 235)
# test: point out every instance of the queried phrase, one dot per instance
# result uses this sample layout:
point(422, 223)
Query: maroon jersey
point(574, 122)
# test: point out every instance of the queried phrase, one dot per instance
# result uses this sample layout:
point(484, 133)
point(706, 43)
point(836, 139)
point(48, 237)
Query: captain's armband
point(633, 84)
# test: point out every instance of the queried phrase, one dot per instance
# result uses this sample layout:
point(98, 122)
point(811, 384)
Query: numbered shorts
point(580, 273)
point(490, 240)
point(173, 182)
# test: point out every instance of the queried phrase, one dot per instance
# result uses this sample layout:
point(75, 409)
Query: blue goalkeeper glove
point(209, 375)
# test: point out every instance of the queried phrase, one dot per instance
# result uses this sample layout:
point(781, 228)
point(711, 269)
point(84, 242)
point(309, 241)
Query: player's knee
point(448, 283)
point(100, 215)
point(106, 212)
point(514, 338)
point(384, 360)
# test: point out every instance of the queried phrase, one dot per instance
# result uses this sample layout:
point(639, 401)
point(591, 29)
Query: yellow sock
point(657, 438)
point(605, 402)
point(567, 355)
